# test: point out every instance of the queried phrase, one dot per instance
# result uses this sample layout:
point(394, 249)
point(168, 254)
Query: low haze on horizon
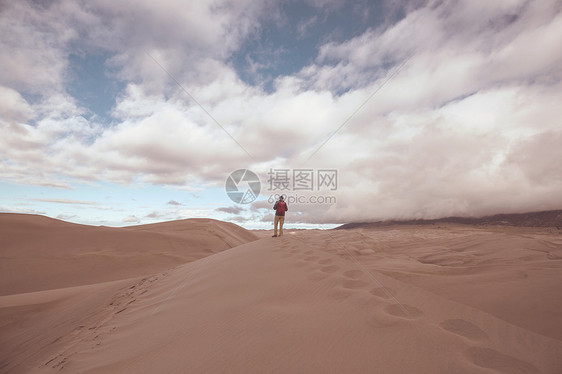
point(120, 113)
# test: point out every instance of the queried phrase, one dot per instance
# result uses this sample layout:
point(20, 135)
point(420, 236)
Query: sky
point(119, 113)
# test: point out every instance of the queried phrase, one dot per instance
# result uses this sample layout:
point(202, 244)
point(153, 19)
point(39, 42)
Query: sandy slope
point(300, 304)
point(34, 325)
point(40, 253)
point(512, 273)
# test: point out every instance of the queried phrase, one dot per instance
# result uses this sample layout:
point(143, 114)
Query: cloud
point(67, 201)
point(158, 215)
point(206, 32)
point(302, 28)
point(66, 217)
point(32, 57)
point(7, 209)
point(537, 158)
point(231, 209)
point(267, 218)
point(13, 107)
point(468, 126)
point(240, 219)
point(131, 219)
point(173, 202)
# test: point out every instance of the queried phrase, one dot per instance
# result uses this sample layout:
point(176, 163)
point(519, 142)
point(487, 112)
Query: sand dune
point(40, 253)
point(36, 324)
point(512, 273)
point(418, 299)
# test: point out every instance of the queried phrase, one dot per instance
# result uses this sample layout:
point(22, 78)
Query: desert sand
point(203, 296)
point(40, 253)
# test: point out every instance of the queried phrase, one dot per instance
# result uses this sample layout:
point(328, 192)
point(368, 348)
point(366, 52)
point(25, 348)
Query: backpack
point(281, 208)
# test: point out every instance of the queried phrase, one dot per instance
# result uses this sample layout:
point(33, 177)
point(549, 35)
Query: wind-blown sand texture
point(399, 299)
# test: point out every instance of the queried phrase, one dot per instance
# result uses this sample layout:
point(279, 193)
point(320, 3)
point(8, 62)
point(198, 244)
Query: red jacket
point(280, 208)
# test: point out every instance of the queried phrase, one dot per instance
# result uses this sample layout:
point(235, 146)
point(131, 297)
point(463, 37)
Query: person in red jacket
point(280, 208)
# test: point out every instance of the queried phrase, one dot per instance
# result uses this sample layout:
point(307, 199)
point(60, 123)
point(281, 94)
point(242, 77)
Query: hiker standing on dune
point(280, 208)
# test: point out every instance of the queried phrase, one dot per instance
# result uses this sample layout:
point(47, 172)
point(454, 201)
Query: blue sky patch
point(93, 84)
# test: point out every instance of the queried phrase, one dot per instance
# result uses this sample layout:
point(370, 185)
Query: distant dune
point(41, 253)
point(430, 299)
point(549, 218)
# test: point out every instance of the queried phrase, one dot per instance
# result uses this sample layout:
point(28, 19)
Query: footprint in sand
point(317, 275)
point(311, 258)
point(301, 264)
point(378, 319)
point(403, 310)
point(354, 284)
point(491, 359)
point(346, 286)
point(325, 261)
point(330, 269)
point(464, 328)
point(383, 292)
point(339, 293)
point(309, 252)
point(553, 256)
point(353, 274)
